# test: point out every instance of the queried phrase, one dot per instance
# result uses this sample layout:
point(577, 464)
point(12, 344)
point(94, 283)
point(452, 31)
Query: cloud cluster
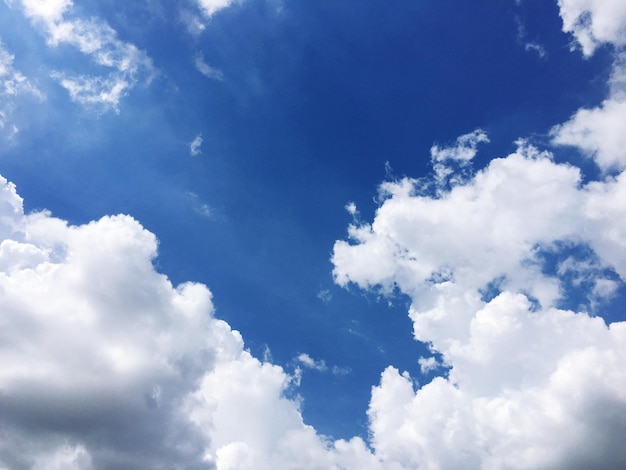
point(104, 364)
point(492, 262)
point(487, 264)
point(124, 63)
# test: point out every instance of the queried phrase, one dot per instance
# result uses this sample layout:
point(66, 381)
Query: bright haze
point(297, 234)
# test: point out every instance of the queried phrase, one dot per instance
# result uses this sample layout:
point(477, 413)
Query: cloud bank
point(105, 364)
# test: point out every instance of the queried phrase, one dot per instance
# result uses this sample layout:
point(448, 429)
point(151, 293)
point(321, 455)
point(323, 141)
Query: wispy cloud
point(194, 146)
point(310, 363)
point(529, 45)
point(124, 62)
point(12, 85)
point(206, 70)
point(199, 206)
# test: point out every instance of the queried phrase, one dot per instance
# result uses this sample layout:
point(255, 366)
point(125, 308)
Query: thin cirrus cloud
point(123, 63)
point(206, 70)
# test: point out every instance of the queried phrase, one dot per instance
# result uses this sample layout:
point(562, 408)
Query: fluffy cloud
point(594, 22)
point(492, 262)
point(599, 132)
point(487, 264)
point(105, 364)
point(124, 62)
point(210, 7)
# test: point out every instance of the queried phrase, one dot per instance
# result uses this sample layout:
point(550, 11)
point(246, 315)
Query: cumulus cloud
point(527, 376)
point(124, 62)
point(598, 132)
point(594, 22)
point(105, 364)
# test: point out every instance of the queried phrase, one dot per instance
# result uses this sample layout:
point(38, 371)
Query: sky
point(287, 234)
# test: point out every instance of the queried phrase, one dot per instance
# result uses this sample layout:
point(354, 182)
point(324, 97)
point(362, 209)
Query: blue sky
point(294, 177)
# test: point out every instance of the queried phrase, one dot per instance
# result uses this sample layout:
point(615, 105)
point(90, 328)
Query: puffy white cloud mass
point(124, 63)
point(594, 22)
point(489, 265)
point(104, 364)
point(599, 132)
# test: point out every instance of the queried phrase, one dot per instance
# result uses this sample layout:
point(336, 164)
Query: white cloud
point(428, 364)
point(527, 379)
point(124, 63)
point(206, 70)
point(105, 364)
point(309, 362)
point(200, 206)
point(529, 45)
point(210, 7)
point(194, 146)
point(103, 92)
point(451, 163)
point(537, 48)
point(13, 84)
point(325, 295)
point(192, 22)
point(599, 132)
point(594, 22)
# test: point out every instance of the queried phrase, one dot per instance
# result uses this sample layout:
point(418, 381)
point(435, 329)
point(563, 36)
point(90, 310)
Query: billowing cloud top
point(105, 364)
